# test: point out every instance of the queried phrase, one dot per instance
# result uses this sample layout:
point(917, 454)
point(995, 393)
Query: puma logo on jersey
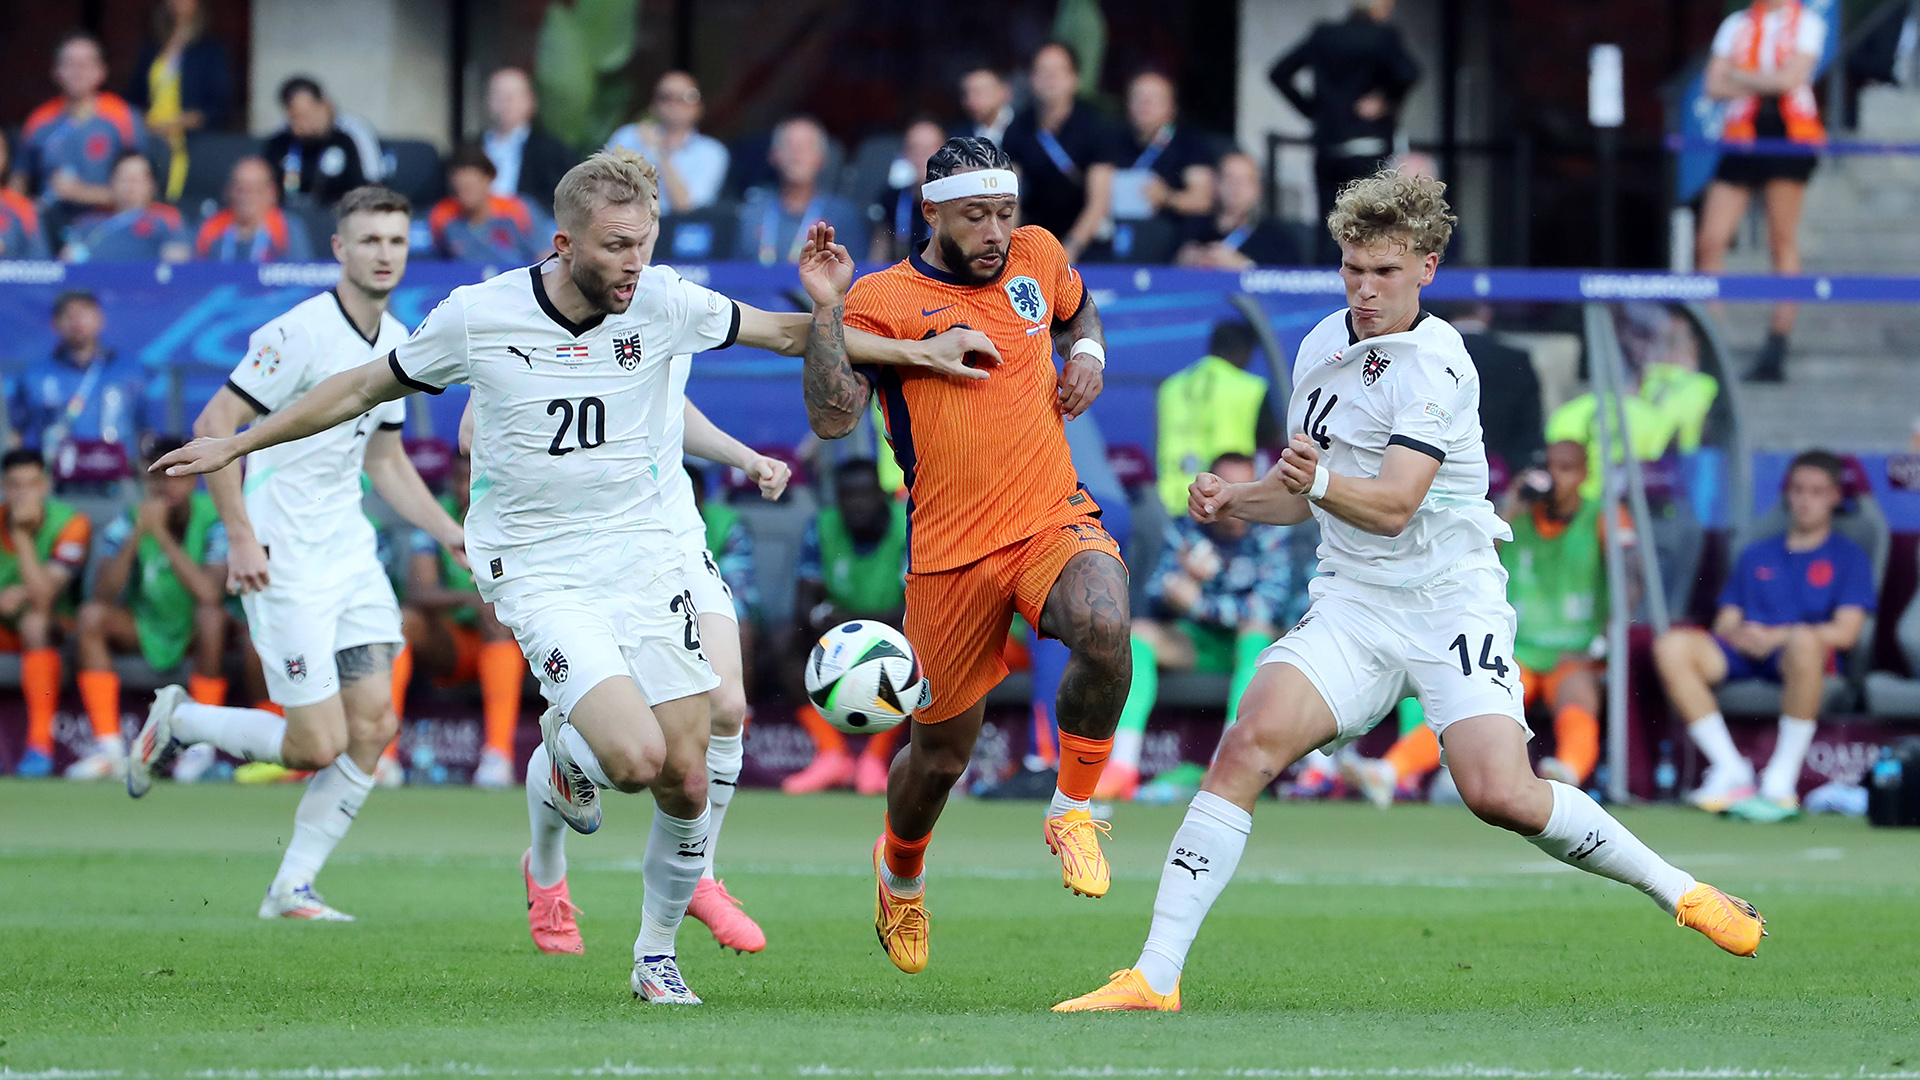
point(1456, 378)
point(524, 354)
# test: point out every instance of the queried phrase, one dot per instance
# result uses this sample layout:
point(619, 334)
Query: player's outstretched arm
point(1265, 501)
point(398, 482)
point(342, 397)
point(1381, 505)
point(836, 395)
point(1083, 376)
point(961, 352)
point(225, 413)
point(705, 439)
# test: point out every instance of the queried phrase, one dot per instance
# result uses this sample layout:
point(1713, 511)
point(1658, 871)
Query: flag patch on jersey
point(626, 351)
point(571, 354)
point(1374, 365)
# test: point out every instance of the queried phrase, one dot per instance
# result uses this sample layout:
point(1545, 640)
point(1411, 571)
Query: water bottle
point(1666, 778)
point(1886, 771)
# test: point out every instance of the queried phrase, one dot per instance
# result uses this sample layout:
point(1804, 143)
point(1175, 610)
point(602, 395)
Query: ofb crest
point(1028, 301)
point(1374, 365)
point(627, 351)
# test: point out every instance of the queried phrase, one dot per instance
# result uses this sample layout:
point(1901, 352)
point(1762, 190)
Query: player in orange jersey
point(999, 520)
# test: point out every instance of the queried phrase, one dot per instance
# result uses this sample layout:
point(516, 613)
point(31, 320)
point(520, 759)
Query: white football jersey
point(567, 453)
point(676, 487)
point(303, 497)
point(1417, 389)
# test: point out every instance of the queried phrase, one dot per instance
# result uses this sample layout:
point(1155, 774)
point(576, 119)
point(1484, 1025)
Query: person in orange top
point(475, 225)
point(69, 144)
point(20, 235)
point(252, 228)
point(999, 520)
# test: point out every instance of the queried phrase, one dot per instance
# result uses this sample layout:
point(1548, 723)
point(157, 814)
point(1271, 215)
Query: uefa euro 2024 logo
point(1028, 303)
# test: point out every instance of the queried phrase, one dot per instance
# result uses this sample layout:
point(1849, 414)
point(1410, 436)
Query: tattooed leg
point(366, 693)
point(1087, 609)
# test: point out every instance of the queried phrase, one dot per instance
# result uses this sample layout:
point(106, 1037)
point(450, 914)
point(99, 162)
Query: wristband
point(1321, 478)
point(1086, 346)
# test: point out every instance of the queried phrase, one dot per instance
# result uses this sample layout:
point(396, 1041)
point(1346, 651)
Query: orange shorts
point(1542, 686)
point(957, 619)
point(466, 655)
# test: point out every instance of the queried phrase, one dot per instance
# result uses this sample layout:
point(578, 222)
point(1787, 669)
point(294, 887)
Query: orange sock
point(207, 689)
point(906, 858)
point(502, 672)
point(1576, 738)
point(1081, 762)
point(881, 745)
point(402, 675)
point(100, 693)
point(40, 682)
point(1416, 754)
point(273, 707)
point(826, 738)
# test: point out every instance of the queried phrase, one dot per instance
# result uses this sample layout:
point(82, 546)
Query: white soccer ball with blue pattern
point(863, 677)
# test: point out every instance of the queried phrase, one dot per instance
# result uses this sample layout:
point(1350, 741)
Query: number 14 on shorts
point(1488, 661)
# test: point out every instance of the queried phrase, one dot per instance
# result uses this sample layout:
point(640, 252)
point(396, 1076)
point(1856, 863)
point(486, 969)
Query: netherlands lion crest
point(626, 350)
point(1374, 365)
point(1028, 302)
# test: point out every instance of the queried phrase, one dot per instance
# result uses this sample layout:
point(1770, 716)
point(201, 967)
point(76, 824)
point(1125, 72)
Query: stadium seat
point(1148, 240)
point(1890, 693)
point(210, 158)
point(866, 175)
point(699, 235)
point(413, 169)
point(1860, 520)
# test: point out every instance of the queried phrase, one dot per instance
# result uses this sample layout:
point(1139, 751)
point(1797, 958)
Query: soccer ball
point(863, 677)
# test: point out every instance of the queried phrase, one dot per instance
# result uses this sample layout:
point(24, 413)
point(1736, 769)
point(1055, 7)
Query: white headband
point(966, 185)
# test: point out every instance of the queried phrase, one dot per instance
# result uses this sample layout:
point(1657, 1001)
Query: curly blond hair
point(1393, 204)
point(609, 178)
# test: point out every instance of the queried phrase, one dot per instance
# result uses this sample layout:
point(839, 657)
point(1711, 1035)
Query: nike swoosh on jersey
point(924, 312)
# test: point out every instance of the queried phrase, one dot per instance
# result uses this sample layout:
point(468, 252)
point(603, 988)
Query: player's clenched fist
point(1297, 463)
point(1078, 384)
point(1207, 498)
point(771, 474)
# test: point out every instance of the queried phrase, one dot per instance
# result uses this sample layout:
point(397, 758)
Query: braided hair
point(964, 153)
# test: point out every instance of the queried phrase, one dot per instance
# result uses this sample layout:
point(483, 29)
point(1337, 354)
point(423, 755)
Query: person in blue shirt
point(84, 392)
point(774, 221)
point(69, 144)
point(20, 235)
point(142, 229)
point(692, 166)
point(473, 224)
point(1794, 602)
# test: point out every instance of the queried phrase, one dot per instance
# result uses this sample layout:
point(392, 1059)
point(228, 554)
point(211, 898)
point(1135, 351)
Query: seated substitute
point(1219, 595)
point(453, 636)
point(43, 552)
point(853, 565)
point(1794, 602)
point(160, 589)
point(476, 224)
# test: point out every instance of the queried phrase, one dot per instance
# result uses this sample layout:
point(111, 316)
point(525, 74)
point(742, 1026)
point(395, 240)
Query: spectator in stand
point(899, 228)
point(43, 553)
point(1211, 407)
point(82, 393)
point(853, 565)
point(20, 234)
point(1557, 583)
point(1171, 175)
point(1509, 389)
point(1762, 65)
point(142, 229)
point(473, 224)
point(320, 155)
point(1793, 604)
point(527, 161)
point(1361, 72)
point(774, 222)
point(987, 98)
point(182, 84)
point(68, 145)
point(1218, 597)
point(692, 166)
point(159, 590)
point(252, 228)
point(1065, 152)
point(1235, 236)
point(454, 637)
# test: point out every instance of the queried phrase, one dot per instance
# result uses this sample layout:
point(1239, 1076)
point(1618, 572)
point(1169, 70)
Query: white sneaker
point(1552, 768)
point(194, 762)
point(389, 773)
point(155, 747)
point(104, 762)
point(300, 903)
point(1722, 787)
point(657, 978)
point(1375, 778)
point(495, 771)
point(575, 796)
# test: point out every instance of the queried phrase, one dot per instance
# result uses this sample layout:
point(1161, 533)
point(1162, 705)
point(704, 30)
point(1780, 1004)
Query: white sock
point(1585, 837)
point(1781, 779)
point(1203, 856)
point(1709, 733)
point(583, 755)
point(1062, 803)
point(901, 886)
point(252, 734)
point(333, 799)
point(1126, 748)
point(548, 861)
point(1317, 760)
point(725, 755)
point(676, 853)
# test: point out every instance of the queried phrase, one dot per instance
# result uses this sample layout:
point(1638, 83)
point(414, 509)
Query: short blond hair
point(611, 178)
point(1393, 204)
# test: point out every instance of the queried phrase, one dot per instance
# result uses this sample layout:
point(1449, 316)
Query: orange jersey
point(986, 461)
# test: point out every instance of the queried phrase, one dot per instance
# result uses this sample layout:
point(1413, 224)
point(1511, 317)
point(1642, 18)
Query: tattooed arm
point(1082, 377)
point(836, 395)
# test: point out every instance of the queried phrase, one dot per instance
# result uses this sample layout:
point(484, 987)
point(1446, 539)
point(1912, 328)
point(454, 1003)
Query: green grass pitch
point(1354, 943)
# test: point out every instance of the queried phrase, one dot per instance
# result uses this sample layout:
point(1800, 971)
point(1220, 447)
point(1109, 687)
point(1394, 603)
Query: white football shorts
point(1449, 642)
point(298, 624)
point(700, 574)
